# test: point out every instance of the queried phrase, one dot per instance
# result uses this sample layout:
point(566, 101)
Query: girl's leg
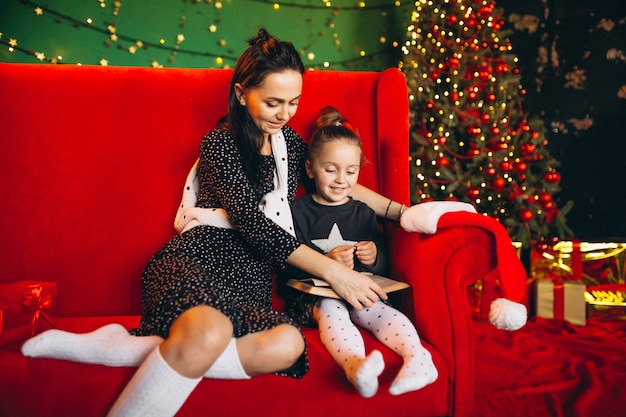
point(345, 344)
point(171, 372)
point(397, 332)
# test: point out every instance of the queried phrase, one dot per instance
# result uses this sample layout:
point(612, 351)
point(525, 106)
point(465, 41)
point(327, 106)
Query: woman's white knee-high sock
point(156, 390)
point(112, 345)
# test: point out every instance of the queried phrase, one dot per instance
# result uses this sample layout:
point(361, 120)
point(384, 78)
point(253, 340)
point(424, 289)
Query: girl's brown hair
point(330, 126)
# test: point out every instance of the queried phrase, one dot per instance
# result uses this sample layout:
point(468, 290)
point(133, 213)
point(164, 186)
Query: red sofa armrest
point(439, 268)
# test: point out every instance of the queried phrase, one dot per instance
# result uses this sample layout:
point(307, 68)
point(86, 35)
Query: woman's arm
point(352, 286)
point(383, 206)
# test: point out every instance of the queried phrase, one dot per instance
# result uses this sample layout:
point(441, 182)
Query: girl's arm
point(383, 206)
point(352, 286)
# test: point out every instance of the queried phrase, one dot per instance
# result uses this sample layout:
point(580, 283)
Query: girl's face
point(335, 171)
point(274, 102)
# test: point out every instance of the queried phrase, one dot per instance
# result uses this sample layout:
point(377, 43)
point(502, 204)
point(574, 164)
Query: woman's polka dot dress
point(228, 269)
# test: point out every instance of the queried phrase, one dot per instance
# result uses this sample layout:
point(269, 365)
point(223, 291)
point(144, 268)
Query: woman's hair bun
point(261, 37)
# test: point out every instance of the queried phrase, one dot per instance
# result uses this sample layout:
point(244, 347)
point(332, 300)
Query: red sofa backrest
point(93, 160)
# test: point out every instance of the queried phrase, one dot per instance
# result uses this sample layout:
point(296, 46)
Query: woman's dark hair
point(330, 126)
point(265, 55)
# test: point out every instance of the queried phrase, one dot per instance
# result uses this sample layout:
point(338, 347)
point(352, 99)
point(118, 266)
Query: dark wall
point(573, 65)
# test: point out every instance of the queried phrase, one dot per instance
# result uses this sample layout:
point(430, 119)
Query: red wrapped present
point(26, 308)
point(606, 302)
point(602, 262)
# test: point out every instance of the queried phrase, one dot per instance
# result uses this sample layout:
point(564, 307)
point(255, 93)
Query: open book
point(317, 286)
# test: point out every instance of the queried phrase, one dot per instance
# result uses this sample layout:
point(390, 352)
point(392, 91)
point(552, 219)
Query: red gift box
point(606, 302)
point(26, 308)
point(603, 263)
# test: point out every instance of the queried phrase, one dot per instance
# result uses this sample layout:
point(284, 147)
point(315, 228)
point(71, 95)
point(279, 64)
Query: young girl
point(331, 222)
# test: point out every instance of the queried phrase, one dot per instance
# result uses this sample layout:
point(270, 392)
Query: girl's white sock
point(397, 332)
point(345, 344)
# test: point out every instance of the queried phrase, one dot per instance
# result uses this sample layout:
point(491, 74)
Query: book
point(317, 286)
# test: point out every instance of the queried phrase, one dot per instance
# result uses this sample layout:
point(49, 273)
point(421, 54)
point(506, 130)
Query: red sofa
point(93, 160)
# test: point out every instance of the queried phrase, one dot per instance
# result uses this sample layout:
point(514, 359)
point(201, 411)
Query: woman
point(207, 294)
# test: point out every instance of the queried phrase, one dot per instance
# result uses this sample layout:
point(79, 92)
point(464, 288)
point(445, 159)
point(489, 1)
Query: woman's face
point(273, 102)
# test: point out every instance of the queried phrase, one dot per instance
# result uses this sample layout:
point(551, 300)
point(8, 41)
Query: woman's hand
point(366, 252)
point(357, 289)
point(354, 287)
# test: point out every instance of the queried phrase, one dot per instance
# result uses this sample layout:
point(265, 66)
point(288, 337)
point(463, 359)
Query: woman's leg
point(110, 345)
point(270, 350)
point(171, 372)
point(397, 332)
point(345, 344)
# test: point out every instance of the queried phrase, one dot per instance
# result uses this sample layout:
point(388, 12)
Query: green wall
point(215, 32)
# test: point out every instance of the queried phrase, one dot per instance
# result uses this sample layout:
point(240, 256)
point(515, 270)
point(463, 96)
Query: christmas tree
point(470, 138)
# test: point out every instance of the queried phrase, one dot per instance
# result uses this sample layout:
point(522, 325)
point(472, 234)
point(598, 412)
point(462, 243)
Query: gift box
point(26, 308)
point(561, 299)
point(602, 262)
point(562, 296)
point(606, 302)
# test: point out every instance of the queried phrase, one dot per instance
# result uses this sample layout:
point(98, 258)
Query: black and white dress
point(228, 269)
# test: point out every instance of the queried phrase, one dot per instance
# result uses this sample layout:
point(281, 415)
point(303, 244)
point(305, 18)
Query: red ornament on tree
point(526, 215)
point(528, 149)
point(473, 193)
point(474, 131)
point(501, 68)
point(521, 167)
point(552, 177)
point(498, 183)
point(451, 19)
point(506, 166)
point(442, 161)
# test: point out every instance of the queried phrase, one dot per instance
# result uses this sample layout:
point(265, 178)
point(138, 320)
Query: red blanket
point(551, 368)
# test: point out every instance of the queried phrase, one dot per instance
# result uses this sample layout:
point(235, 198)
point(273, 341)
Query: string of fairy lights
point(105, 25)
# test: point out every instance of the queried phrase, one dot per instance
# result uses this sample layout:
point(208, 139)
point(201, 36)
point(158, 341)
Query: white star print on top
point(333, 240)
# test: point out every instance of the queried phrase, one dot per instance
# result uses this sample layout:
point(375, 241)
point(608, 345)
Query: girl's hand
point(343, 254)
point(366, 252)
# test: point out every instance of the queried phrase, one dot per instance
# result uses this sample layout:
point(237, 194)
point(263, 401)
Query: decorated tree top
point(470, 138)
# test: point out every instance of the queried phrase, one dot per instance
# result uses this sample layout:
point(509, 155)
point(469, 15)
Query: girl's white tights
point(345, 344)
point(392, 328)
